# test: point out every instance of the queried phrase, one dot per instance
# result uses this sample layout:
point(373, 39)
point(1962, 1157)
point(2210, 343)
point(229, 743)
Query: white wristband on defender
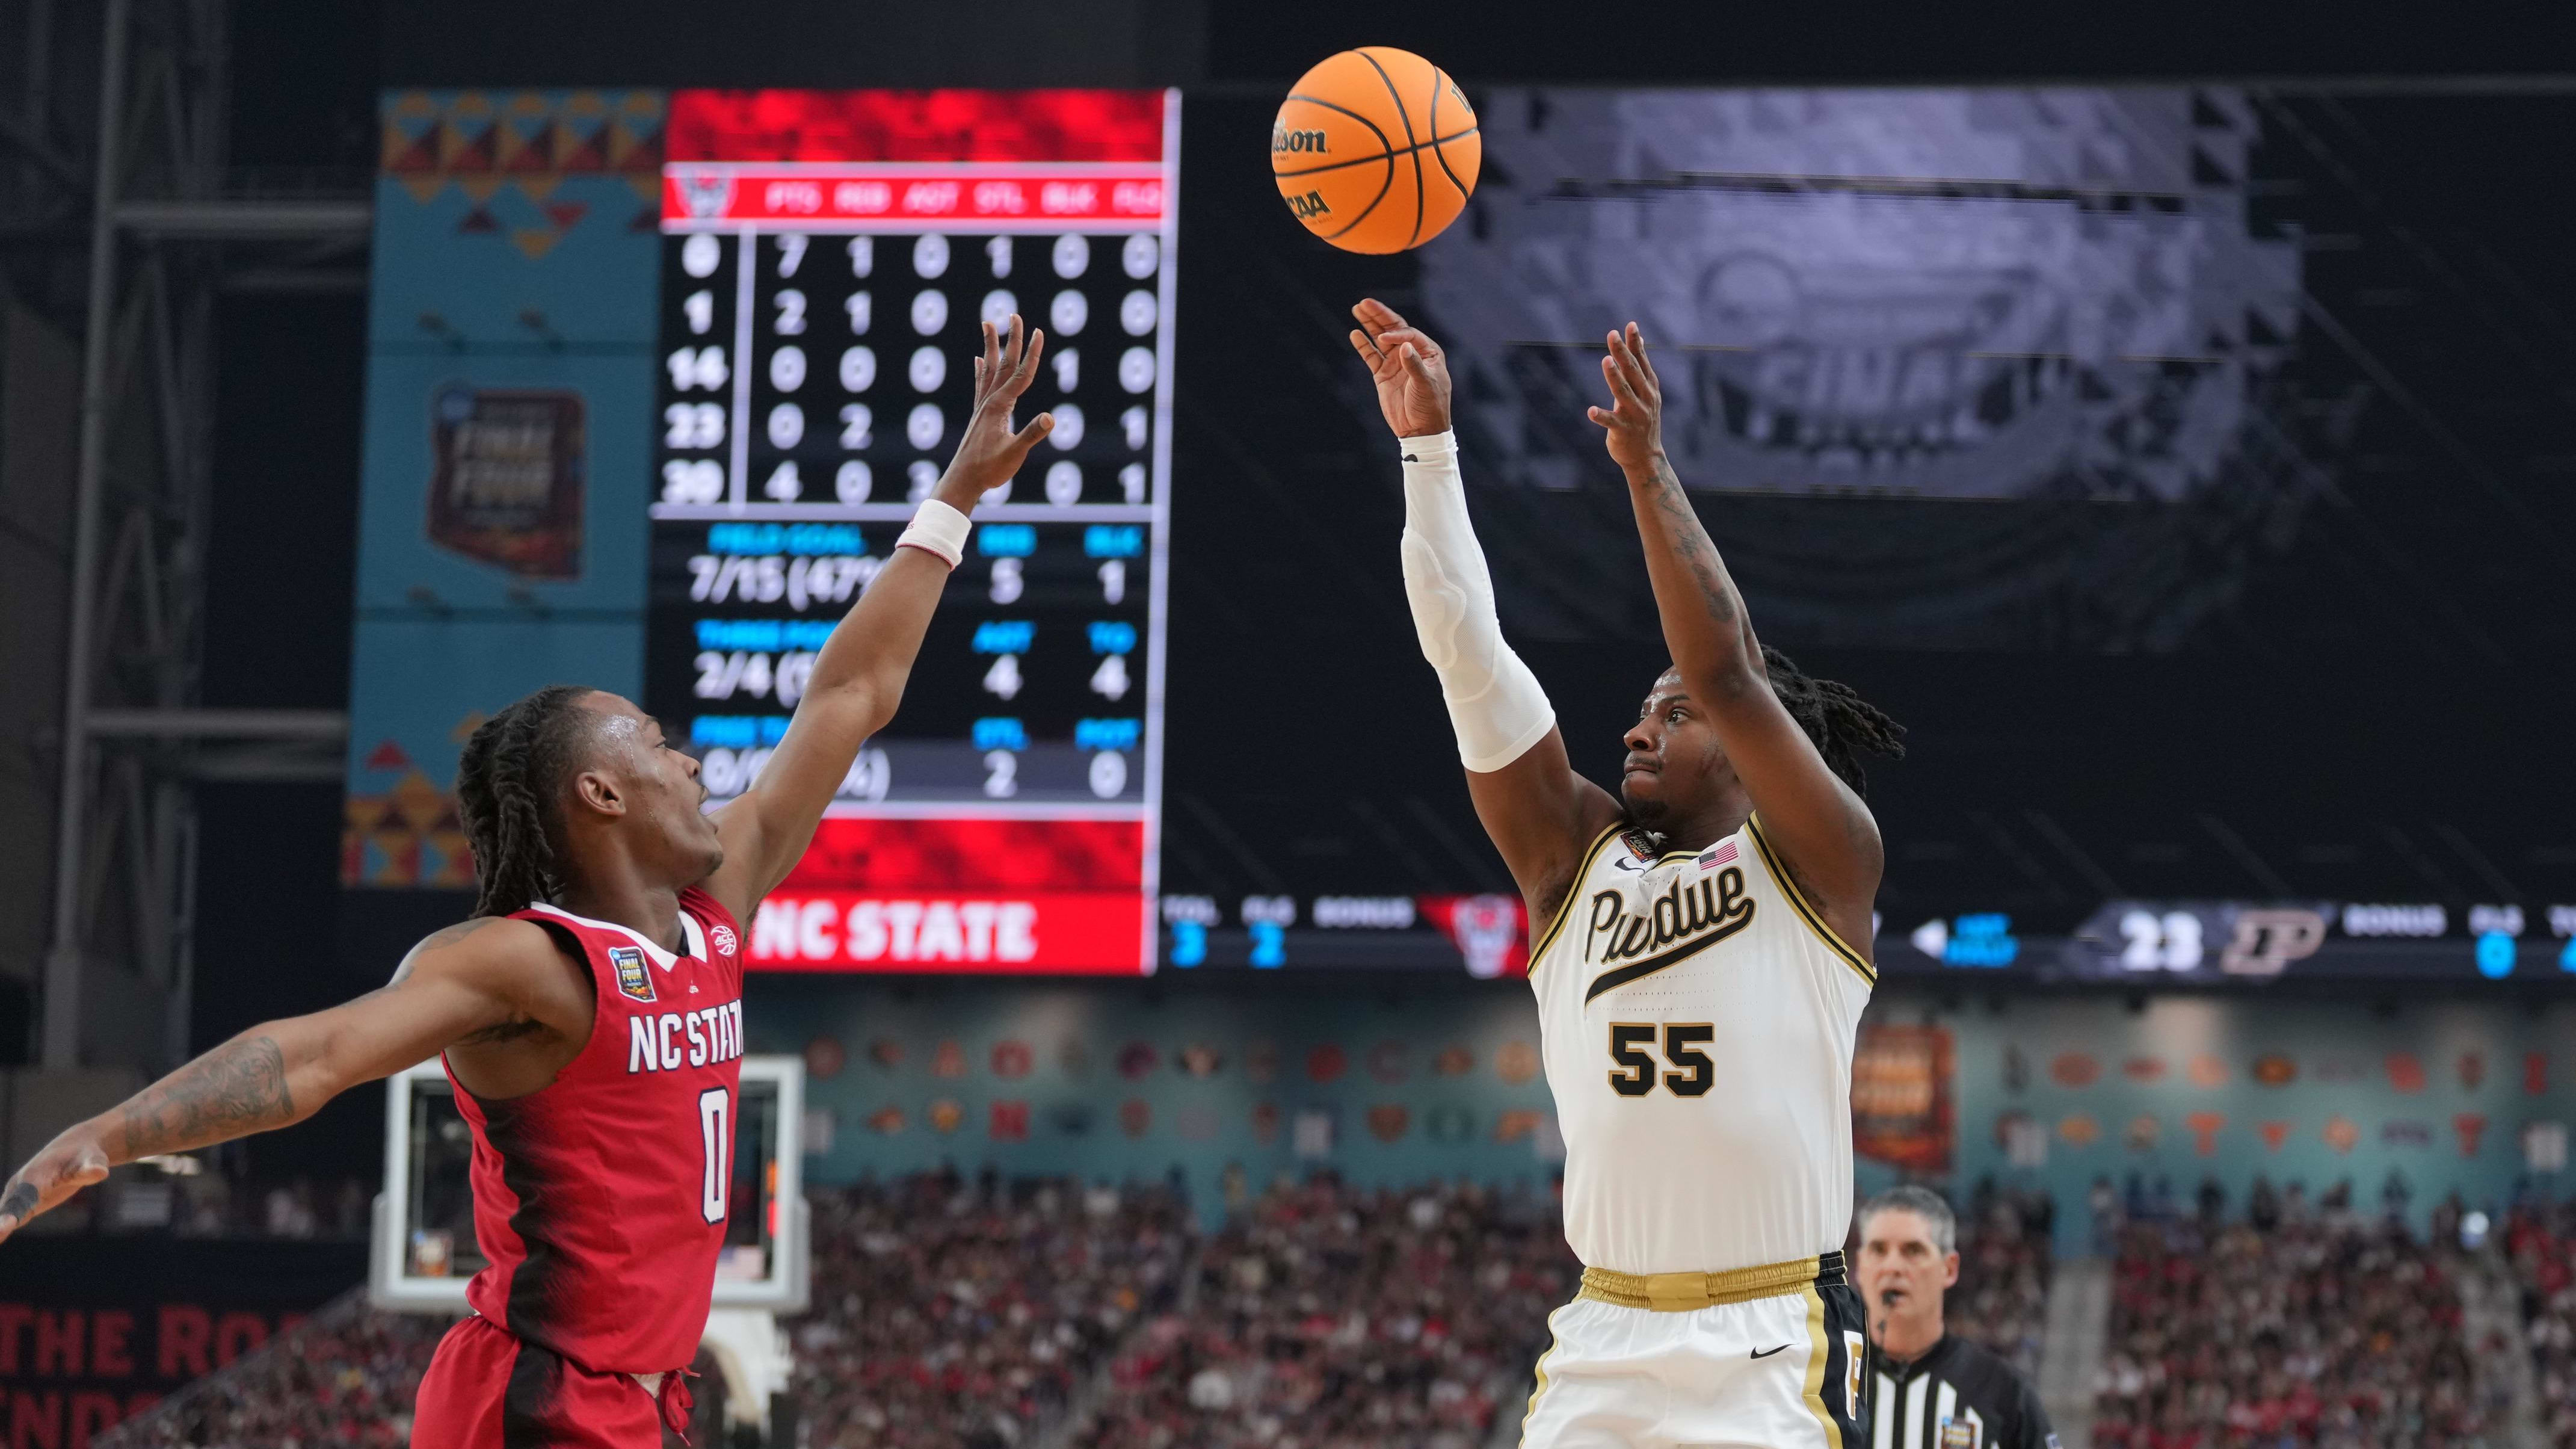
point(937, 529)
point(1495, 703)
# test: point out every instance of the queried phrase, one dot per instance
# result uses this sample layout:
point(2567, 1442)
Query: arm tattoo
point(1692, 543)
point(20, 1201)
point(236, 1089)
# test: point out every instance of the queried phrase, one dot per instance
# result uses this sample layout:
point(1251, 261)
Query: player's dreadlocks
point(509, 782)
point(1842, 724)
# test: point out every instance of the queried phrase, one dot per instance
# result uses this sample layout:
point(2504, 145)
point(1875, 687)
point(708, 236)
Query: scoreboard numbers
point(760, 448)
point(818, 328)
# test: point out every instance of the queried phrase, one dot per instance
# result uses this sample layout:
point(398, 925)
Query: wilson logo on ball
point(1376, 150)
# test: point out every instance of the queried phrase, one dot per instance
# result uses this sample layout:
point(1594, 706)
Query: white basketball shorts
point(1779, 1372)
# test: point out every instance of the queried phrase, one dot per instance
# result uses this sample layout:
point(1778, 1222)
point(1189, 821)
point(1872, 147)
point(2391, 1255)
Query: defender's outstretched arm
point(859, 675)
point(1829, 837)
point(1540, 813)
point(507, 979)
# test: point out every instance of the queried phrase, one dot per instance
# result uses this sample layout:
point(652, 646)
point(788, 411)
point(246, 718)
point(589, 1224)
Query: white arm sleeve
point(1495, 703)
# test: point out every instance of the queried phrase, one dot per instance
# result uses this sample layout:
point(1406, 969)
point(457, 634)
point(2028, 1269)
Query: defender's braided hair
point(1842, 724)
point(509, 785)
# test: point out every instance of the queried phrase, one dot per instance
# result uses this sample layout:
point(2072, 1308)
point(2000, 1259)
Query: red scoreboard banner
point(1051, 932)
point(995, 160)
point(1062, 897)
point(925, 126)
point(783, 196)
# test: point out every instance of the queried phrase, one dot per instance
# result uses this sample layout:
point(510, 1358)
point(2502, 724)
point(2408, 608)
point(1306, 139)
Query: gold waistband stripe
point(1689, 1292)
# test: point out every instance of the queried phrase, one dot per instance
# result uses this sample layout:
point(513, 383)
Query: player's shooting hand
point(989, 452)
point(1634, 420)
point(70, 1162)
point(1411, 373)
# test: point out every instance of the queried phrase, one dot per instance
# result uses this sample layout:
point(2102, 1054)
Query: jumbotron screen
point(827, 259)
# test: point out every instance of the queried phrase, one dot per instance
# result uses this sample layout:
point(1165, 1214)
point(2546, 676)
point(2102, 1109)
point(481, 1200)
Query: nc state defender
point(1703, 966)
point(591, 1011)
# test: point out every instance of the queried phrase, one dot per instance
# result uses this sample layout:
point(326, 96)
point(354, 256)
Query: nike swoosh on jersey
point(1767, 1352)
point(1637, 970)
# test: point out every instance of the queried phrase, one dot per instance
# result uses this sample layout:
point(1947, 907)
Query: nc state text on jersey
point(674, 1039)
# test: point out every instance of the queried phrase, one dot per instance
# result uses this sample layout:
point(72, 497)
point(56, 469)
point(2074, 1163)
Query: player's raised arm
point(1816, 821)
point(859, 675)
point(1540, 813)
point(485, 976)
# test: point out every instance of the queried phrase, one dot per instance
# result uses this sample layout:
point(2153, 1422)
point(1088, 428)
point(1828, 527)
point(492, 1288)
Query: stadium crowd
point(1330, 1317)
point(2540, 1239)
point(346, 1376)
point(2001, 1300)
point(947, 1314)
point(2294, 1326)
point(957, 1314)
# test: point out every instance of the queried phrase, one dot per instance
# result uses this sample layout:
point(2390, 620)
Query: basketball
point(1375, 150)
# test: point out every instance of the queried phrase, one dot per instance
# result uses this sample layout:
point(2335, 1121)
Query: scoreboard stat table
point(827, 260)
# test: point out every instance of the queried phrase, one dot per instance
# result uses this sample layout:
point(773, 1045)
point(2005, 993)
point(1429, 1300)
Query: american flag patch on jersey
point(1713, 858)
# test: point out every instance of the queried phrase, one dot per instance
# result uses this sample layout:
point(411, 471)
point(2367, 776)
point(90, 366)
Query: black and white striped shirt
point(1955, 1396)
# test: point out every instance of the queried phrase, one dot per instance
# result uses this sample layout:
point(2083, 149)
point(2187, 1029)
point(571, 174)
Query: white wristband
point(937, 529)
point(1433, 450)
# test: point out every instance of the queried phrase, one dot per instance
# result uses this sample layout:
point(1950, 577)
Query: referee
point(1932, 1391)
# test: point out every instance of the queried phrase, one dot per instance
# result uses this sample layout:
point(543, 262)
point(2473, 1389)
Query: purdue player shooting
point(1703, 961)
point(1932, 1391)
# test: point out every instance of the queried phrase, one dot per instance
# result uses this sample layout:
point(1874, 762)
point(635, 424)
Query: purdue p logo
point(2267, 941)
point(633, 981)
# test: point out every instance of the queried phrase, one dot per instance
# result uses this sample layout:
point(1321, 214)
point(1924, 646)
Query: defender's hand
point(989, 453)
point(1411, 374)
point(1634, 421)
point(70, 1162)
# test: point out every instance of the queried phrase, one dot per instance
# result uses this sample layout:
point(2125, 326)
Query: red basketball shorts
point(489, 1389)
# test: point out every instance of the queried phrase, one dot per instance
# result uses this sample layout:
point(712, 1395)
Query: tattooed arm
point(1828, 835)
point(483, 982)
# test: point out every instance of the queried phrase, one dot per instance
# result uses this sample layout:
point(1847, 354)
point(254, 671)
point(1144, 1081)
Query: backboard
point(424, 1251)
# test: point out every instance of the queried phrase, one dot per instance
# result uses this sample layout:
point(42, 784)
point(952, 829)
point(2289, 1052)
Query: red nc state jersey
point(599, 1199)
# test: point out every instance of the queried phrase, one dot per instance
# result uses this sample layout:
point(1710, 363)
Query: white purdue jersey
point(1697, 1021)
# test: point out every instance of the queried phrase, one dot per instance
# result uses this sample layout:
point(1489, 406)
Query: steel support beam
point(220, 724)
point(60, 1047)
point(239, 220)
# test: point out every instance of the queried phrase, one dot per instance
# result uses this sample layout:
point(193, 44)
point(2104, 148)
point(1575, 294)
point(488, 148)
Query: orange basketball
point(1375, 150)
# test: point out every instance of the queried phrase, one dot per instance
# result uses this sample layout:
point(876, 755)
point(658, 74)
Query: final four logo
point(633, 981)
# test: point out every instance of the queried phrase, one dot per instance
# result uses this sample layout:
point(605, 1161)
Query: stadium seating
point(2324, 1329)
point(956, 1315)
point(2540, 1239)
point(346, 1376)
point(1328, 1316)
point(2001, 1300)
point(947, 1314)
